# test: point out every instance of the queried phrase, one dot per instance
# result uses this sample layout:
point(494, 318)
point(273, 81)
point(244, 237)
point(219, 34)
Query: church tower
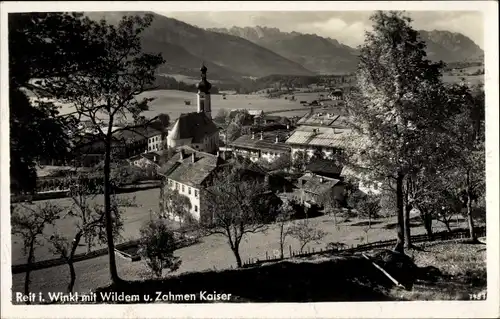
point(204, 103)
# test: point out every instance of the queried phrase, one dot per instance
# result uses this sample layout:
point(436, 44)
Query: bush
point(157, 245)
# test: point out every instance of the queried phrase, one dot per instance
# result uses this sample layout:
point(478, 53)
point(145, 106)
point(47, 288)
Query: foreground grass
point(212, 253)
point(463, 267)
point(318, 278)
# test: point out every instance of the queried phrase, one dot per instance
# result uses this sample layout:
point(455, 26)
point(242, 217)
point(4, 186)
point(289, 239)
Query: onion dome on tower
point(204, 86)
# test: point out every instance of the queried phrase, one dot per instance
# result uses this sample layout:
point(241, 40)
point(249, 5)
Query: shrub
point(156, 247)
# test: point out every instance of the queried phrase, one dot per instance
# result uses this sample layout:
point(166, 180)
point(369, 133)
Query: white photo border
point(413, 309)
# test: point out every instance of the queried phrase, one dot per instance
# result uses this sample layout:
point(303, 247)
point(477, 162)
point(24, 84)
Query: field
point(172, 103)
point(470, 79)
point(211, 253)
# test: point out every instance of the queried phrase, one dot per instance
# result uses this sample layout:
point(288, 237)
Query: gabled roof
point(137, 134)
point(181, 168)
point(317, 184)
point(324, 166)
point(193, 125)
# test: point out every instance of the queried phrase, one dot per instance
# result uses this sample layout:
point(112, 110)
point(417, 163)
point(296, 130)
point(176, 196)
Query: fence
point(457, 234)
point(120, 249)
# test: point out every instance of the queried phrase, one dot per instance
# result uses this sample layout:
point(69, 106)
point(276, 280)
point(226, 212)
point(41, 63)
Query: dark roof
point(193, 125)
point(325, 166)
point(137, 134)
point(316, 186)
point(183, 170)
point(268, 143)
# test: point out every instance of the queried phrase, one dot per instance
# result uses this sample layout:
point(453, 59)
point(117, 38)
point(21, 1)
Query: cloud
point(348, 27)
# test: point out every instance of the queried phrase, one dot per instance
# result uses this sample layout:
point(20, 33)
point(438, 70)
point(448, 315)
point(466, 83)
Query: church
point(196, 129)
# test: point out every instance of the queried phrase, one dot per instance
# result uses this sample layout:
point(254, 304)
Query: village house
point(197, 129)
point(267, 146)
point(145, 160)
point(312, 187)
point(317, 131)
point(188, 171)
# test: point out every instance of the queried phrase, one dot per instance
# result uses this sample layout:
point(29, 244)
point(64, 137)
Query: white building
point(187, 172)
point(317, 131)
point(197, 129)
point(260, 146)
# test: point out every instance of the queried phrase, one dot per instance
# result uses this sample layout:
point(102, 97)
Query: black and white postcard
point(249, 159)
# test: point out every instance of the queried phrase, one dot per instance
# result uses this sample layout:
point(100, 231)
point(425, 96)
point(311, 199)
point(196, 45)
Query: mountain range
point(260, 51)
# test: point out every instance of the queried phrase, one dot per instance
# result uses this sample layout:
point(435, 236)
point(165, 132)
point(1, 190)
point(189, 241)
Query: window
point(183, 188)
point(195, 208)
point(196, 193)
point(176, 185)
point(189, 190)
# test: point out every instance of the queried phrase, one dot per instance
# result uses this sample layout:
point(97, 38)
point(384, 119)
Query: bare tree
point(305, 233)
point(234, 207)
point(29, 223)
point(284, 215)
point(89, 224)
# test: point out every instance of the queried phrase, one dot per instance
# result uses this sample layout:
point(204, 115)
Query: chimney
point(321, 179)
point(155, 159)
point(193, 157)
point(288, 126)
point(253, 135)
point(261, 135)
point(181, 153)
point(277, 139)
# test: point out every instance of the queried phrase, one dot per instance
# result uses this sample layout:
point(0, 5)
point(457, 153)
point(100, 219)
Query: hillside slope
point(185, 47)
point(326, 55)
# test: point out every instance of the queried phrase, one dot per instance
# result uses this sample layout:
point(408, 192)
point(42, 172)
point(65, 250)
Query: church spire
point(204, 86)
point(204, 102)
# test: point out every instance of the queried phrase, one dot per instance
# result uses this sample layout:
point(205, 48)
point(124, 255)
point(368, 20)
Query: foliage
point(157, 246)
point(396, 108)
point(233, 131)
point(29, 224)
point(300, 161)
point(221, 116)
point(233, 207)
point(41, 45)
point(176, 204)
point(305, 233)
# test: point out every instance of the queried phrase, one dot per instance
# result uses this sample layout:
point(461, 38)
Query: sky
point(346, 26)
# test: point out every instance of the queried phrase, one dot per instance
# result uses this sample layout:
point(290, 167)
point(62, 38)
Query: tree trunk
point(237, 256)
point(282, 241)
point(400, 214)
point(407, 210)
point(72, 276)
point(161, 203)
point(74, 245)
point(107, 207)
point(472, 233)
point(27, 281)
point(89, 244)
point(427, 221)
point(407, 221)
